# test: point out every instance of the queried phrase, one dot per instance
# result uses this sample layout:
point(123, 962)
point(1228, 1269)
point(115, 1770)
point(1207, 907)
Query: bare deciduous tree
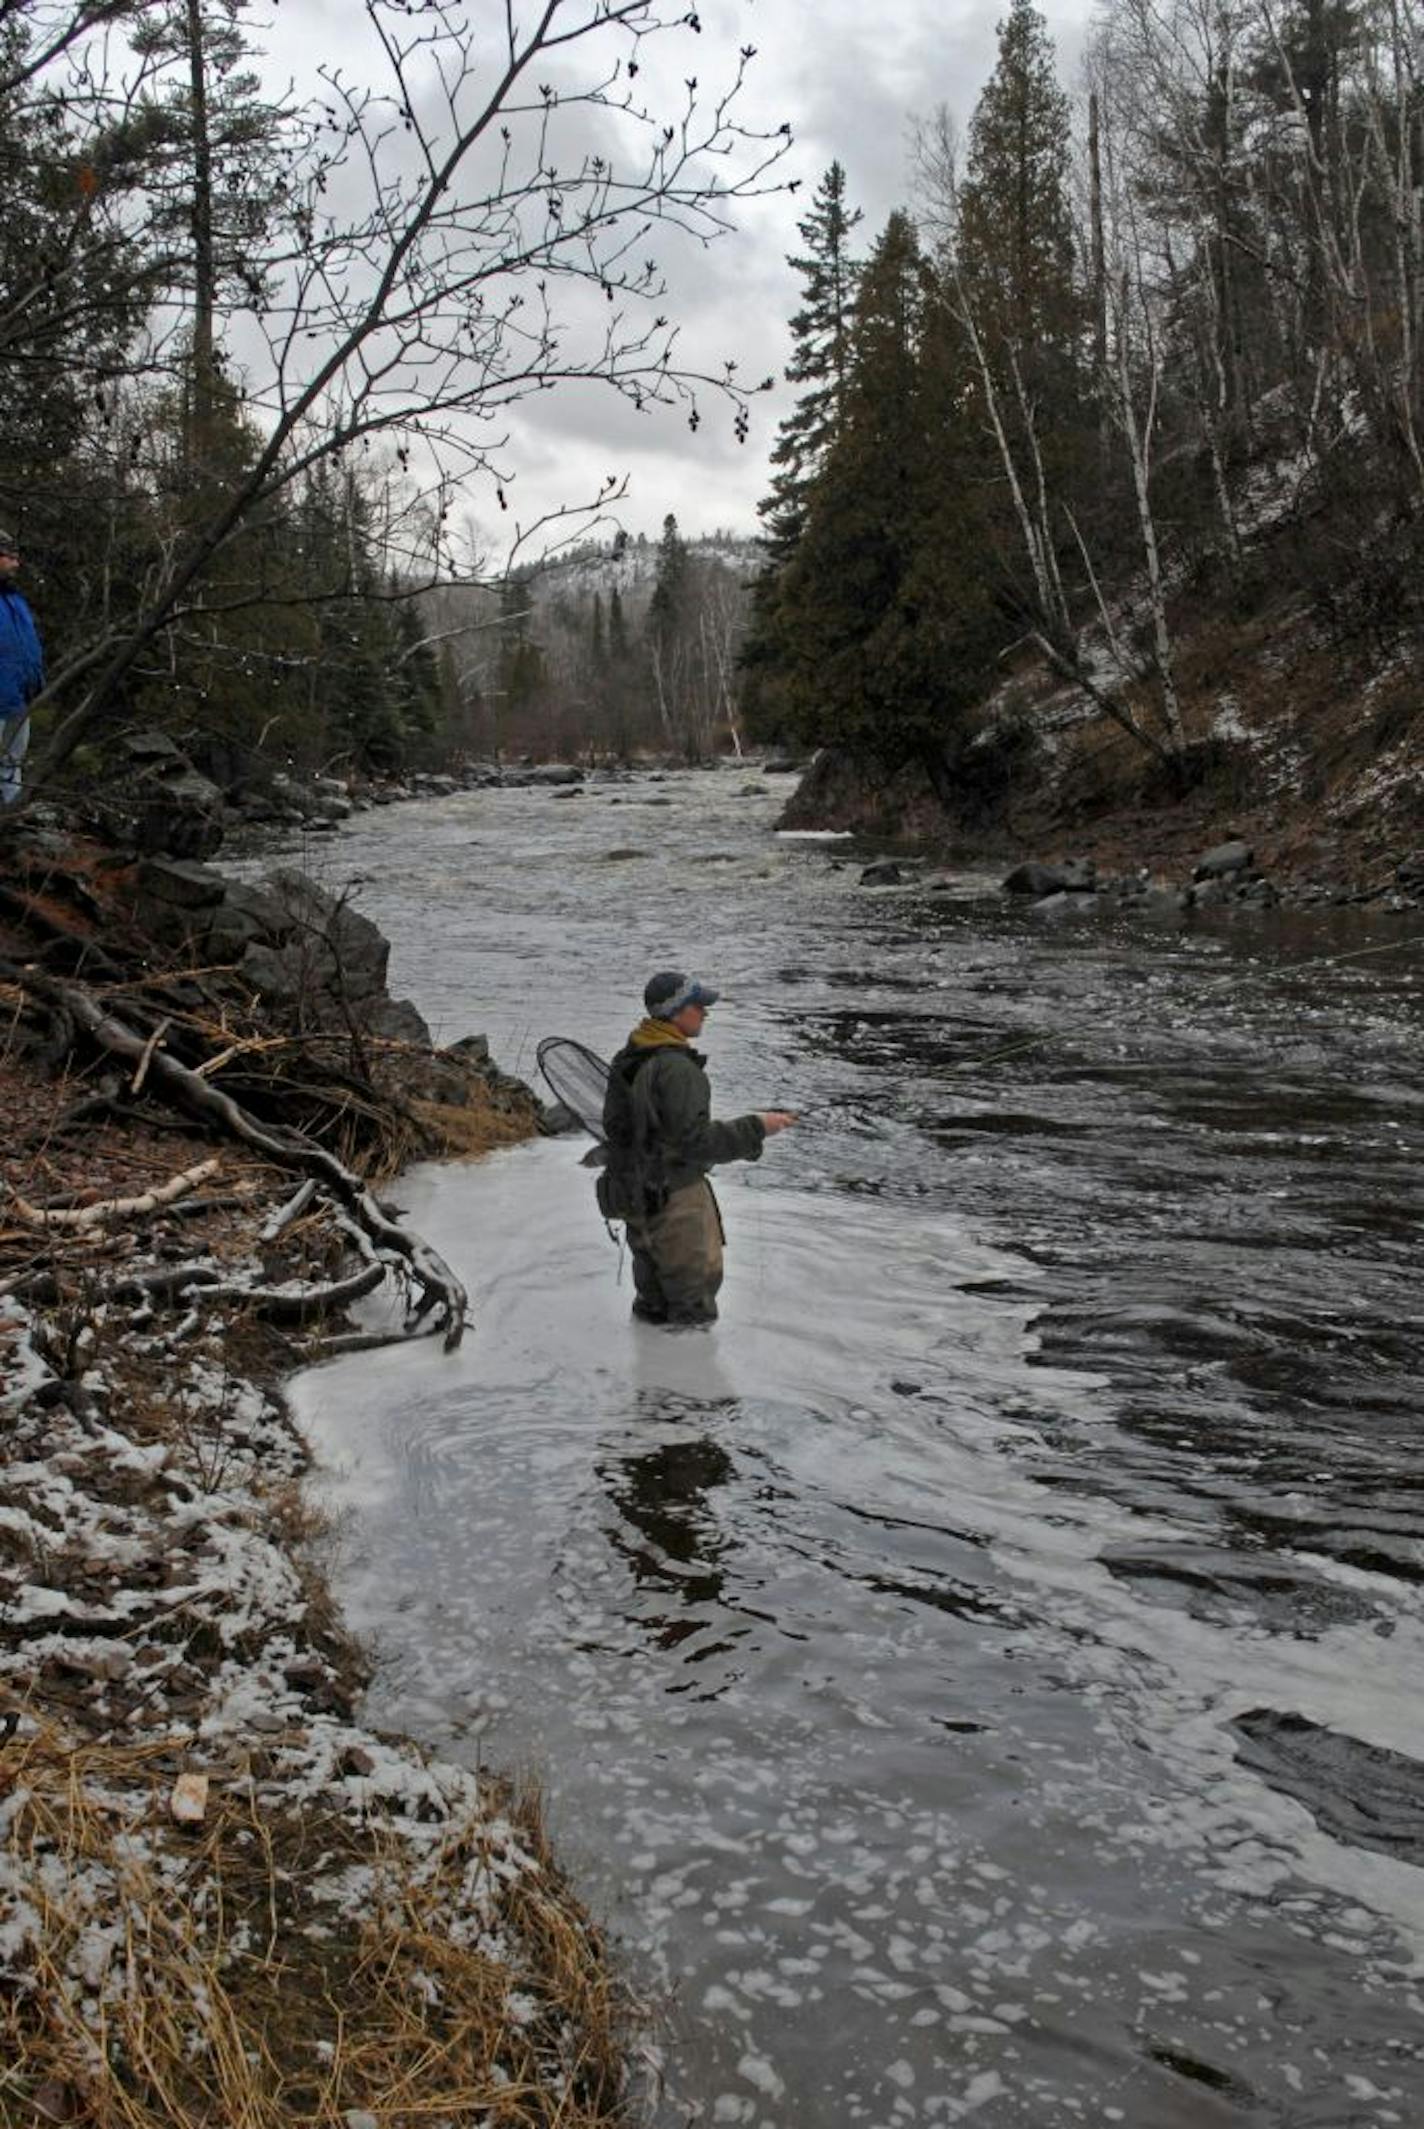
point(477, 232)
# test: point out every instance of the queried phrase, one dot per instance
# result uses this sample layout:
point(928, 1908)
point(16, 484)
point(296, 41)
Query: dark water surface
point(980, 1681)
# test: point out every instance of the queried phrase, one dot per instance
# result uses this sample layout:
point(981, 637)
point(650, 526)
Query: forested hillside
point(607, 651)
point(1120, 428)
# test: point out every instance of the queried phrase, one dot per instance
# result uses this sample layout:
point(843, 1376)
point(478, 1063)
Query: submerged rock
point(1071, 876)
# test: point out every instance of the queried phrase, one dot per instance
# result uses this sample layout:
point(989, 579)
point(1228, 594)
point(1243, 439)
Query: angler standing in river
point(662, 1139)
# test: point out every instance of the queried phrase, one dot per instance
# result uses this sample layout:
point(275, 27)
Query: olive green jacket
point(659, 1127)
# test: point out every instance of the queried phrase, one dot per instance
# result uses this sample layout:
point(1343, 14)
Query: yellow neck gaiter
point(657, 1035)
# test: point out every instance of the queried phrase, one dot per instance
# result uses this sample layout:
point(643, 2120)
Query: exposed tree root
point(438, 1291)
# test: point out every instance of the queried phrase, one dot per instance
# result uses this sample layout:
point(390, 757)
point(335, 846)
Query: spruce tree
point(666, 617)
point(1014, 261)
point(617, 630)
point(820, 363)
point(1015, 222)
point(669, 586)
point(885, 619)
point(820, 360)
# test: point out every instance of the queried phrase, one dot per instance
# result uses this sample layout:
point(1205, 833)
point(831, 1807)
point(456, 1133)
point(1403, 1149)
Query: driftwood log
point(388, 1245)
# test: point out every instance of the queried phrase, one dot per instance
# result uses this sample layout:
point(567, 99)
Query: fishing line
point(578, 1076)
point(1230, 976)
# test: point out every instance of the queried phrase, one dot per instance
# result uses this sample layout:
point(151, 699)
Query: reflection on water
point(666, 1527)
point(979, 1680)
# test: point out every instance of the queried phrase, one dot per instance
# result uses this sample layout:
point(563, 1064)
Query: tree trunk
point(202, 393)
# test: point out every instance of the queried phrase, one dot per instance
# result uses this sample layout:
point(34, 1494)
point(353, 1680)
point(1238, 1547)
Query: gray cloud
point(849, 80)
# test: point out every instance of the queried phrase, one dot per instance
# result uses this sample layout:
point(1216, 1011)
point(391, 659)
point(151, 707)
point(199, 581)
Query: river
point(980, 1679)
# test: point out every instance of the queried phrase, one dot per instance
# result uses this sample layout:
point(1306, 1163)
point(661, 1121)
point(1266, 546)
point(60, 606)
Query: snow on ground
point(160, 1632)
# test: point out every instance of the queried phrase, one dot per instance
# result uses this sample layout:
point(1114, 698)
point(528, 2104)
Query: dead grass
point(197, 1977)
point(474, 1128)
point(214, 1977)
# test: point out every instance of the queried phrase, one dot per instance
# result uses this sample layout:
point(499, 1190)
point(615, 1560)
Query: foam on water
point(901, 1659)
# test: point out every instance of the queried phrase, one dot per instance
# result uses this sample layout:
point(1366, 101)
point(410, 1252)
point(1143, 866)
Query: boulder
point(181, 883)
point(335, 936)
point(1073, 876)
point(1224, 860)
point(393, 1020)
point(472, 1051)
point(156, 801)
point(1166, 901)
point(552, 772)
point(1068, 902)
point(885, 873)
point(555, 1121)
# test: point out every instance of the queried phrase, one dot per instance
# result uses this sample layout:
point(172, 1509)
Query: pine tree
point(820, 361)
point(214, 155)
point(883, 611)
point(1015, 235)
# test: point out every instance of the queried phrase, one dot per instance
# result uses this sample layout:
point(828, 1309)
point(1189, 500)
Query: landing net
point(578, 1077)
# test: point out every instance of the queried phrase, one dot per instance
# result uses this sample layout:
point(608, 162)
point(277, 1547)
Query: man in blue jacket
point(21, 670)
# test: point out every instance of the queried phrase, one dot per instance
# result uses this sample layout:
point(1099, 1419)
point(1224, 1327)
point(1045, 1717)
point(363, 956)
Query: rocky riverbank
point(1227, 875)
point(222, 1898)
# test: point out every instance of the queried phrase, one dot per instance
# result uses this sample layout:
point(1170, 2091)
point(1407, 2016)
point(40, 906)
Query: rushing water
point(980, 1680)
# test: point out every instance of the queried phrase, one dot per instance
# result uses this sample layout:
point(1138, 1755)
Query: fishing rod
point(578, 1076)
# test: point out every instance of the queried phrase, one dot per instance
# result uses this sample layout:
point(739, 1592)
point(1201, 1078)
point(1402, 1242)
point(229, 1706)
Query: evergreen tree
point(1015, 236)
point(1014, 266)
point(522, 675)
point(883, 612)
point(820, 363)
point(617, 631)
point(665, 608)
point(214, 155)
point(665, 645)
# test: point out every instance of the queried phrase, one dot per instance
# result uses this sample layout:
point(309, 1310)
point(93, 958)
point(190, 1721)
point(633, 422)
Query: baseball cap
point(665, 994)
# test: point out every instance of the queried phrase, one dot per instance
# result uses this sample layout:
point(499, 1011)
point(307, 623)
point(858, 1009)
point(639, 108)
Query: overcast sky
point(849, 76)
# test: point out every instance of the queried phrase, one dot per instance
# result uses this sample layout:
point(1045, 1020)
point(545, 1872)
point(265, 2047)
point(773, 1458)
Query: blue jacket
point(21, 658)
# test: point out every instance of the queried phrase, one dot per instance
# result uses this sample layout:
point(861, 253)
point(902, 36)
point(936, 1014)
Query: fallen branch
point(115, 1208)
point(283, 1217)
point(341, 1342)
point(297, 1300)
point(136, 1083)
point(440, 1290)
